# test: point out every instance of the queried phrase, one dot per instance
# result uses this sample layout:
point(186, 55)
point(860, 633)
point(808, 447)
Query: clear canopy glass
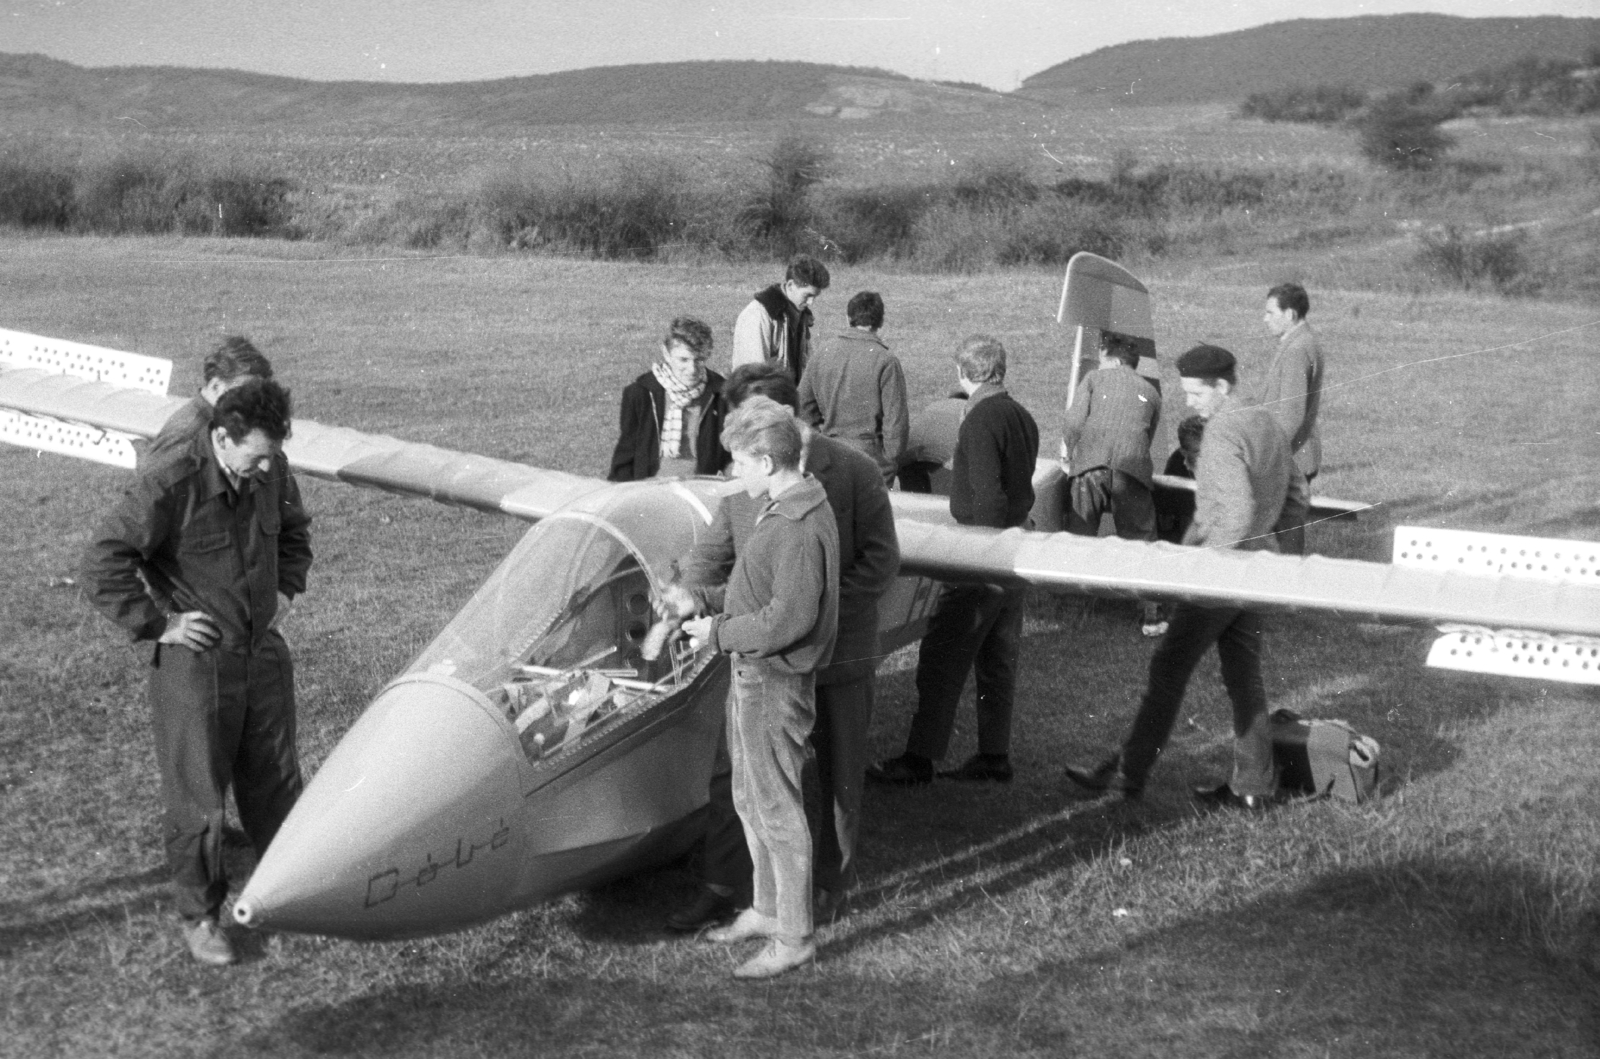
point(571, 595)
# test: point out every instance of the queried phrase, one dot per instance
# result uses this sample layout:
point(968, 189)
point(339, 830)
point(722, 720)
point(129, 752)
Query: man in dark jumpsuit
point(215, 526)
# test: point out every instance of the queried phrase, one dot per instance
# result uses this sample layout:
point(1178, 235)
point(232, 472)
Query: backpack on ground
point(1320, 758)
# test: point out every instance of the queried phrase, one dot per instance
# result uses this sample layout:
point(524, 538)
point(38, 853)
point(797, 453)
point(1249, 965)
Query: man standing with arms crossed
point(216, 527)
point(1245, 478)
point(1291, 389)
point(776, 615)
point(975, 627)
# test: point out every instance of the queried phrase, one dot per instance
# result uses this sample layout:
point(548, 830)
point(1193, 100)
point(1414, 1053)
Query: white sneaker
point(775, 958)
point(749, 924)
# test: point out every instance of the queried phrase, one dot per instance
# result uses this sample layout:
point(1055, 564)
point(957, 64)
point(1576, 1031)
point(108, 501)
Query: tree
point(1399, 134)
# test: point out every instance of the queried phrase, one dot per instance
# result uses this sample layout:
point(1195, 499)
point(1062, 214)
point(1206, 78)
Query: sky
point(991, 42)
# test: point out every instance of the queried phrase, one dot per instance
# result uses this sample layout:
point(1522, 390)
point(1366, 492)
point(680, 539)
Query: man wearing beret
point(1245, 481)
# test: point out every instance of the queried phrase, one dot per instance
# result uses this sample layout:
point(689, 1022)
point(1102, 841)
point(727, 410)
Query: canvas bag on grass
point(1322, 758)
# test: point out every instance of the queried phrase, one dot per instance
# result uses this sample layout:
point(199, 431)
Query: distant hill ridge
point(1368, 51)
point(40, 92)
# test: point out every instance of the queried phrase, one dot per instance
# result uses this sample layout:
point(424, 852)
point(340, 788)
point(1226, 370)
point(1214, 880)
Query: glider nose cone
point(408, 828)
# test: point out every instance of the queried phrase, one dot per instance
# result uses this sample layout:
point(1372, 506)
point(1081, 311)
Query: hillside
point(1370, 51)
point(42, 93)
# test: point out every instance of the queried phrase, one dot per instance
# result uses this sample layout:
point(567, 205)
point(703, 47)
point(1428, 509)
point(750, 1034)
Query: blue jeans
point(973, 627)
point(1193, 629)
point(770, 714)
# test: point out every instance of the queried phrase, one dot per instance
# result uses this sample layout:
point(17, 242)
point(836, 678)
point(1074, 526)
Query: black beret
point(1206, 362)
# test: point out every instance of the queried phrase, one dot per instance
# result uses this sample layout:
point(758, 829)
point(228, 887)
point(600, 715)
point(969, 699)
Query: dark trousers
point(221, 718)
point(1098, 490)
point(1237, 634)
point(973, 628)
point(839, 740)
point(724, 858)
point(1292, 538)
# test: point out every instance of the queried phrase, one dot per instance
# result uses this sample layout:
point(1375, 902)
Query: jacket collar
point(866, 337)
point(213, 479)
point(1294, 332)
point(794, 503)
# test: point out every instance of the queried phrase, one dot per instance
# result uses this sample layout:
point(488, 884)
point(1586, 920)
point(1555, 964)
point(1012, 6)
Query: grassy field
point(1457, 916)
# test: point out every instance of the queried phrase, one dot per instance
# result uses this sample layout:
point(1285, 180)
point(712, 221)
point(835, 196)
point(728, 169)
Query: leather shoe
point(749, 924)
point(775, 958)
point(1106, 776)
point(981, 768)
point(707, 910)
point(209, 943)
point(1223, 797)
point(907, 770)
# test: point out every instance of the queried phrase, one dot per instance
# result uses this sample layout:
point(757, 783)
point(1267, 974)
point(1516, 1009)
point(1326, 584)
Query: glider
point(531, 749)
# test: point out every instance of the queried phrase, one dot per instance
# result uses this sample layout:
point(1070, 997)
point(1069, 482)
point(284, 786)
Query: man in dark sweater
point(975, 627)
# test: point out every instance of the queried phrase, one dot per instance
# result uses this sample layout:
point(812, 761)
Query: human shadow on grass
point(1404, 960)
point(63, 910)
point(1369, 963)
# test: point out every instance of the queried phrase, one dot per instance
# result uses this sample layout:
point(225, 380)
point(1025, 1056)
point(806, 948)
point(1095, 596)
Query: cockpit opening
point(556, 637)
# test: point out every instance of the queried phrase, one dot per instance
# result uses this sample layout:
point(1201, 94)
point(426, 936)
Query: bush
point(150, 193)
point(995, 185)
point(1401, 134)
point(1469, 260)
point(634, 212)
point(874, 222)
point(1314, 104)
point(778, 214)
point(35, 194)
point(1532, 85)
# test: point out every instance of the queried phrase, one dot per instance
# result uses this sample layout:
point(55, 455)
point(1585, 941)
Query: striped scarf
point(679, 397)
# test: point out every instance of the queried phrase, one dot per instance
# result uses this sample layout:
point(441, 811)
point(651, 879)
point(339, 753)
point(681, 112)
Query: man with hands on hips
point(200, 559)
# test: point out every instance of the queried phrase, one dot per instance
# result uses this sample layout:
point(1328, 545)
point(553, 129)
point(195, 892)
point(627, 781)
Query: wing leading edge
point(1265, 580)
point(334, 453)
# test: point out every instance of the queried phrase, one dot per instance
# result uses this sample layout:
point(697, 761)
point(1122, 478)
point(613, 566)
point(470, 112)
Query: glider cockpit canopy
point(575, 592)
